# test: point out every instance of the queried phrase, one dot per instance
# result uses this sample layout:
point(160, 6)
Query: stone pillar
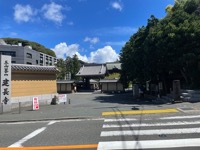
point(176, 89)
point(136, 90)
point(5, 81)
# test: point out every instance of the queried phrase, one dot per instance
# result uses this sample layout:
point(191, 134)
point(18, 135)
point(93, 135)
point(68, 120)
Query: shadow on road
point(127, 98)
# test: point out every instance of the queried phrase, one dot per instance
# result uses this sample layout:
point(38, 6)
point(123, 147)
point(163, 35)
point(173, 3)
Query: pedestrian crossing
point(161, 133)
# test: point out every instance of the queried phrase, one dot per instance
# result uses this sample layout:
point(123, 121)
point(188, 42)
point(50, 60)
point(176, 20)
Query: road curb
point(45, 119)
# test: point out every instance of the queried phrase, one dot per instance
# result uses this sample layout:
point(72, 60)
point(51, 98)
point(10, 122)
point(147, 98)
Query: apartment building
point(26, 55)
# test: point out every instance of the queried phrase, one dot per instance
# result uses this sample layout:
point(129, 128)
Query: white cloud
point(63, 50)
point(53, 12)
point(83, 58)
point(24, 13)
point(102, 55)
point(117, 6)
point(93, 40)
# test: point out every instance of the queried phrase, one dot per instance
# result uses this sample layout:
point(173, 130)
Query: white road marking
point(150, 132)
point(181, 117)
point(162, 118)
point(118, 120)
point(178, 123)
point(28, 137)
point(52, 122)
point(151, 144)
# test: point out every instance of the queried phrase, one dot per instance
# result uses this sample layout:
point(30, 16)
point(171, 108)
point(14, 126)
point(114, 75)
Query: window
point(36, 61)
point(9, 53)
point(29, 63)
point(28, 55)
point(13, 62)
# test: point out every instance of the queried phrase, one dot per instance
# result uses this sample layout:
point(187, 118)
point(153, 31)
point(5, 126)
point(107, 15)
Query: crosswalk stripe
point(181, 117)
point(149, 132)
point(153, 144)
point(162, 118)
point(118, 120)
point(151, 124)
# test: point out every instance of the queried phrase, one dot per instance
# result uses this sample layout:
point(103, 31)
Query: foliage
point(165, 49)
point(35, 46)
point(61, 65)
point(69, 66)
point(113, 76)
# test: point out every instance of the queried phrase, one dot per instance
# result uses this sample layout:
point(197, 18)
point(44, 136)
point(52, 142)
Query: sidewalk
point(46, 112)
point(78, 109)
point(86, 106)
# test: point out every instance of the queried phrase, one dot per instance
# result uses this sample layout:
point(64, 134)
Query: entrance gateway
point(91, 71)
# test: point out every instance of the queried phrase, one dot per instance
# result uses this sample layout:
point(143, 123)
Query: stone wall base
point(44, 99)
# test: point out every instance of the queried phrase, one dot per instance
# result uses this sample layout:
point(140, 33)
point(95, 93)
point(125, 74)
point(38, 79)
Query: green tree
point(166, 49)
point(76, 66)
point(72, 66)
point(61, 65)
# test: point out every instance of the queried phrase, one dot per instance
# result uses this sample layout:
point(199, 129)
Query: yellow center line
point(136, 112)
point(87, 146)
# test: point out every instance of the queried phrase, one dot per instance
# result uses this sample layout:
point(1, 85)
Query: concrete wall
point(27, 100)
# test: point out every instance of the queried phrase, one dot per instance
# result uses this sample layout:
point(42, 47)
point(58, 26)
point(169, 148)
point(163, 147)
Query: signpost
point(62, 98)
point(5, 81)
point(35, 103)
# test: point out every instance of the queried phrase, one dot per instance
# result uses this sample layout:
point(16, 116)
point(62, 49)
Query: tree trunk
point(185, 77)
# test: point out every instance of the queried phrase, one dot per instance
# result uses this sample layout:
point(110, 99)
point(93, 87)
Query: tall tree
point(76, 66)
point(166, 49)
point(62, 69)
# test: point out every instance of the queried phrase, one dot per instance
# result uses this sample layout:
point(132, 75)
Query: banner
point(35, 103)
point(62, 98)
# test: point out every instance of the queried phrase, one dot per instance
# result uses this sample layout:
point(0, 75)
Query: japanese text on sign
point(5, 79)
point(35, 103)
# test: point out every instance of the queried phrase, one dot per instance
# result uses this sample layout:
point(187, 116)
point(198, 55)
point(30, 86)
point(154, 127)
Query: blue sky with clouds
point(95, 30)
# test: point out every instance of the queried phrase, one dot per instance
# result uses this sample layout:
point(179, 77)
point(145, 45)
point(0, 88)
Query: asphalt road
point(70, 132)
point(104, 131)
point(179, 130)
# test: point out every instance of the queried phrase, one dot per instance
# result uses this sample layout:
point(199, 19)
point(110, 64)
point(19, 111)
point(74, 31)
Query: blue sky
point(95, 30)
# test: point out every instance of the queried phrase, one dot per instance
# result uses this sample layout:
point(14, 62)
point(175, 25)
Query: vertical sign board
point(35, 103)
point(62, 98)
point(5, 81)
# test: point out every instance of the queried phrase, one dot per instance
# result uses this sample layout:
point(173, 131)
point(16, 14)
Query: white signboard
point(35, 103)
point(62, 98)
point(5, 79)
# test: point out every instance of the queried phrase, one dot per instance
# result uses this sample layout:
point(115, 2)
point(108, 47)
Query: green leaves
point(69, 66)
point(35, 46)
point(166, 49)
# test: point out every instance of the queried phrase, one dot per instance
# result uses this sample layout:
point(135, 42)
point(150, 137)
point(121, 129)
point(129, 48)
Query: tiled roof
point(22, 67)
point(109, 80)
point(92, 70)
point(111, 66)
